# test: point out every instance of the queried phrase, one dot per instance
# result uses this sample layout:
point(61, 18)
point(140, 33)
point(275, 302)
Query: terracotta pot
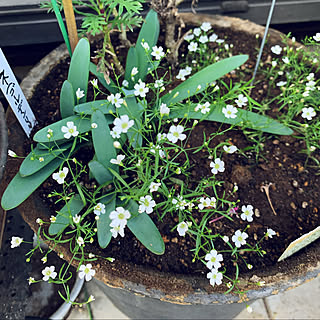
point(147, 293)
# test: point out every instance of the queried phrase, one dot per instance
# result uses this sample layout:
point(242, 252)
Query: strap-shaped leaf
point(244, 118)
point(78, 74)
point(202, 78)
point(20, 188)
point(89, 107)
point(32, 164)
point(145, 230)
point(83, 125)
point(66, 100)
point(100, 172)
point(103, 224)
point(111, 87)
point(64, 216)
point(132, 61)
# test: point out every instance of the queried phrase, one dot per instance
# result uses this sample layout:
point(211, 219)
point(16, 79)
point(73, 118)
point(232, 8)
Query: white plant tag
point(15, 97)
point(300, 243)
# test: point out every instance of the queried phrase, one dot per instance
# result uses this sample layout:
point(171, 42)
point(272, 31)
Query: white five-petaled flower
point(270, 233)
point(134, 71)
point(61, 175)
point(164, 110)
point(276, 49)
point(79, 93)
point(308, 113)
point(141, 89)
point(207, 202)
point(80, 241)
point(180, 203)
point(16, 241)
point(183, 227)
point(145, 45)
point(193, 46)
point(217, 166)
point(197, 31)
point(99, 209)
point(44, 259)
point(204, 108)
point(203, 39)
point(154, 186)
point(117, 230)
point(94, 83)
point(86, 271)
point(183, 73)
point(213, 38)
point(310, 76)
point(158, 83)
point(215, 277)
point(116, 99)
point(53, 219)
point(11, 154)
point(146, 204)
point(119, 217)
point(94, 125)
point(176, 133)
point(31, 280)
point(247, 213)
point(206, 26)
point(239, 238)
point(285, 60)
point(157, 52)
point(115, 132)
point(69, 130)
point(241, 101)
point(48, 272)
point(189, 37)
point(118, 160)
point(125, 83)
point(230, 149)
point(76, 218)
point(230, 111)
point(122, 124)
point(213, 259)
point(316, 37)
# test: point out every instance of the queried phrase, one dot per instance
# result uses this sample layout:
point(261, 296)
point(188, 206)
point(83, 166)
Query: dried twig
point(265, 188)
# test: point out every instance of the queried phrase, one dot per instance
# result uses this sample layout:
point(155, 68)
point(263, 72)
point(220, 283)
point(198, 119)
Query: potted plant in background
point(152, 149)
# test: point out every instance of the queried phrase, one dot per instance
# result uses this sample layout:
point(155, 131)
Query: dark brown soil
point(294, 191)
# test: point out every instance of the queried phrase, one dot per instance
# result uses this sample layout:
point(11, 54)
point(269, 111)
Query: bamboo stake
point(71, 23)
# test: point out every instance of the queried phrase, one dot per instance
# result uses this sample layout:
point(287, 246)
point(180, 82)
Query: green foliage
point(66, 100)
point(100, 172)
point(111, 87)
point(89, 108)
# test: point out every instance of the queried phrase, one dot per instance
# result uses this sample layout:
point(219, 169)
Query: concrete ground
point(300, 303)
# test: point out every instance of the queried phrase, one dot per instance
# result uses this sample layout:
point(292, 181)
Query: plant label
point(15, 97)
point(300, 243)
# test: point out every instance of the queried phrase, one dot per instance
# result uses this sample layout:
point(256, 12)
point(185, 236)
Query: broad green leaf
point(132, 61)
point(100, 172)
point(203, 78)
point(83, 125)
point(244, 118)
point(89, 107)
point(144, 229)
point(78, 74)
point(31, 164)
point(64, 216)
point(103, 224)
point(66, 100)
point(20, 188)
point(111, 87)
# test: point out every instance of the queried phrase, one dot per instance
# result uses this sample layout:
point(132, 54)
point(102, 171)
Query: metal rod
point(263, 40)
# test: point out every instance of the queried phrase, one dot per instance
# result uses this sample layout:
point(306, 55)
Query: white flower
point(161, 136)
point(193, 46)
point(230, 149)
point(117, 230)
point(239, 238)
point(11, 154)
point(154, 186)
point(119, 217)
point(219, 41)
point(53, 219)
point(94, 83)
point(183, 73)
point(145, 45)
point(76, 218)
point(311, 85)
point(247, 213)
point(182, 228)
point(270, 233)
point(61, 175)
point(31, 280)
point(99, 209)
point(274, 63)
point(41, 159)
point(180, 203)
point(44, 259)
point(39, 221)
point(225, 239)
point(16, 241)
point(250, 266)
point(115, 133)
point(203, 39)
point(48, 272)
point(217, 166)
point(134, 71)
point(213, 38)
point(276, 49)
point(146, 204)
point(158, 83)
point(125, 83)
point(157, 52)
point(230, 111)
point(308, 113)
point(281, 83)
point(117, 144)
point(215, 277)
point(91, 298)
point(204, 108)
point(164, 110)
point(141, 89)
point(119, 159)
point(175, 133)
point(80, 241)
point(79, 93)
point(122, 124)
point(207, 202)
point(286, 60)
point(317, 37)
point(189, 37)
point(116, 100)
point(306, 94)
point(86, 271)
point(213, 259)
point(197, 31)
point(241, 101)
point(310, 76)
point(206, 26)
point(249, 309)
point(69, 130)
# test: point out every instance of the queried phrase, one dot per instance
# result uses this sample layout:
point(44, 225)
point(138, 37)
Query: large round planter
point(147, 293)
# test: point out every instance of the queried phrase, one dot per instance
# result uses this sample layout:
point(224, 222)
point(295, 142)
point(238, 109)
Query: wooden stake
point(71, 23)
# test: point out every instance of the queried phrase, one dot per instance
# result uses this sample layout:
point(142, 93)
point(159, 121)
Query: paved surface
point(299, 303)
